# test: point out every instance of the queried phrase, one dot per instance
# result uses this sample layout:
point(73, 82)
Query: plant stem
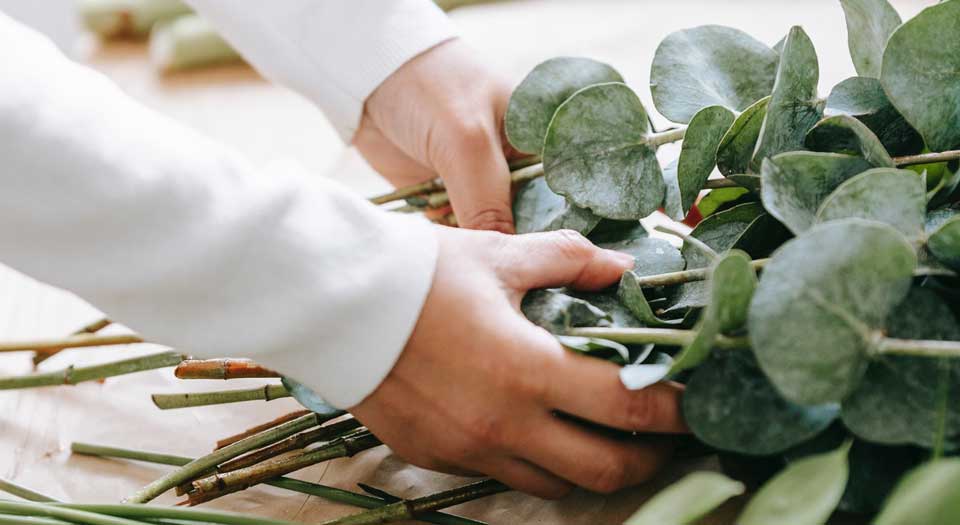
point(218, 485)
point(222, 369)
point(658, 336)
point(716, 184)
point(198, 399)
point(74, 341)
point(73, 375)
point(6, 519)
point(412, 509)
point(23, 492)
point(666, 137)
point(174, 513)
point(295, 442)
point(919, 348)
point(435, 185)
point(927, 158)
point(210, 461)
point(260, 428)
point(689, 239)
point(91, 328)
point(61, 513)
point(687, 276)
point(293, 485)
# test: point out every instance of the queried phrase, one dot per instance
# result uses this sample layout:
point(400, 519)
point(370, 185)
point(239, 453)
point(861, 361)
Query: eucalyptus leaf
point(822, 303)
point(610, 231)
point(672, 198)
point(944, 243)
point(869, 24)
point(596, 347)
point(538, 96)
point(698, 154)
point(864, 99)
point(687, 500)
point(308, 398)
point(794, 107)
point(620, 316)
point(557, 312)
point(888, 195)
point(723, 198)
point(641, 375)
point(596, 153)
point(911, 400)
point(930, 494)
point(945, 190)
point(710, 66)
point(845, 134)
point(805, 493)
point(730, 404)
point(921, 74)
point(652, 256)
point(795, 184)
point(537, 209)
point(631, 295)
point(738, 143)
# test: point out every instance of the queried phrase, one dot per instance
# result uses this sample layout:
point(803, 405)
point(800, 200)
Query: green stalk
point(52, 511)
point(23, 492)
point(656, 140)
point(210, 461)
point(687, 276)
point(927, 158)
point(294, 485)
point(689, 239)
point(658, 336)
point(919, 347)
point(295, 442)
point(91, 328)
point(145, 512)
point(412, 509)
point(198, 399)
point(29, 520)
point(73, 341)
point(73, 375)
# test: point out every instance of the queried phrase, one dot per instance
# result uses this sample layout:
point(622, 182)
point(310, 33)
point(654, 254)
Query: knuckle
point(640, 411)
point(473, 131)
point(493, 218)
point(572, 244)
point(484, 433)
point(609, 475)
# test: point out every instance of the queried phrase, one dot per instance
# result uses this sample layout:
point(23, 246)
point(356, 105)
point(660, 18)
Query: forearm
point(183, 240)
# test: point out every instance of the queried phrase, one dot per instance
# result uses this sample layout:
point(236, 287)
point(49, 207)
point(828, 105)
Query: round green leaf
point(845, 134)
point(723, 199)
point(921, 74)
point(557, 312)
point(537, 209)
point(805, 493)
point(710, 66)
point(687, 500)
point(911, 400)
point(822, 303)
point(944, 243)
point(631, 296)
point(869, 24)
point(794, 184)
point(731, 405)
point(698, 154)
point(888, 195)
point(596, 153)
point(651, 256)
point(864, 99)
point(609, 231)
point(538, 96)
point(736, 147)
point(930, 494)
point(794, 107)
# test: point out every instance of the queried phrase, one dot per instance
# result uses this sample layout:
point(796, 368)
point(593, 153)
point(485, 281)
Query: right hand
point(478, 386)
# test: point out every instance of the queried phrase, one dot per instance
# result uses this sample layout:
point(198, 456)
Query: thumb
point(477, 178)
point(561, 258)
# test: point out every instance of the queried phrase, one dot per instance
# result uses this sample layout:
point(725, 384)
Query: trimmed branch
point(198, 399)
point(218, 485)
point(295, 442)
point(260, 428)
point(222, 369)
point(74, 341)
point(687, 276)
point(210, 461)
point(658, 336)
point(689, 239)
point(927, 158)
point(73, 375)
point(23, 492)
point(414, 508)
point(91, 328)
point(293, 485)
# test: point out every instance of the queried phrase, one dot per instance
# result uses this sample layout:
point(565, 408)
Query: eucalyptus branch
point(73, 375)
point(198, 399)
point(927, 158)
point(658, 336)
point(686, 276)
point(210, 461)
point(219, 485)
point(222, 369)
point(30, 508)
point(293, 485)
point(92, 328)
point(689, 239)
point(180, 514)
point(74, 341)
point(659, 139)
point(435, 185)
point(414, 508)
point(23, 492)
point(260, 428)
point(295, 442)
point(919, 348)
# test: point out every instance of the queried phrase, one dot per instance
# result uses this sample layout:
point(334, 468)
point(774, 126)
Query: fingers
point(477, 177)
point(561, 258)
point(525, 477)
point(595, 462)
point(387, 158)
point(591, 389)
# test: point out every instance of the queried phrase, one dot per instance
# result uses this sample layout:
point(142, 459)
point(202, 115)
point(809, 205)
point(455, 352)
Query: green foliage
point(698, 157)
point(892, 196)
point(944, 243)
point(537, 209)
point(737, 146)
point(864, 99)
point(929, 495)
point(845, 134)
point(869, 24)
point(687, 500)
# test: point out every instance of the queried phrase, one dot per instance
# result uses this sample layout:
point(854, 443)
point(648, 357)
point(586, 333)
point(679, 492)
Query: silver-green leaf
point(892, 196)
point(687, 500)
point(869, 24)
point(930, 494)
point(845, 134)
point(944, 243)
point(538, 209)
point(698, 155)
point(738, 143)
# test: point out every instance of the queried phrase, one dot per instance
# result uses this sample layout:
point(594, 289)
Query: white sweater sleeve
point(180, 238)
point(334, 52)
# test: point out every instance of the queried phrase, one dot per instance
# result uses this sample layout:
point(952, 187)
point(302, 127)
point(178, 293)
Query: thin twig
point(213, 487)
point(294, 485)
point(73, 375)
point(919, 348)
point(23, 492)
point(686, 276)
point(927, 158)
point(412, 509)
point(74, 341)
point(91, 328)
point(152, 513)
point(295, 442)
point(260, 428)
point(29, 508)
point(659, 336)
point(198, 399)
point(689, 239)
point(222, 369)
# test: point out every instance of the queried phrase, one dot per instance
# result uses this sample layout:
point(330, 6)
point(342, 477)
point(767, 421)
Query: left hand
point(441, 114)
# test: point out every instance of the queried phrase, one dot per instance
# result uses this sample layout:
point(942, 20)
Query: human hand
point(441, 114)
point(477, 387)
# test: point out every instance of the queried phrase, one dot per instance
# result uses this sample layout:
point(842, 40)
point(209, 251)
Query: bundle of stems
point(260, 428)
